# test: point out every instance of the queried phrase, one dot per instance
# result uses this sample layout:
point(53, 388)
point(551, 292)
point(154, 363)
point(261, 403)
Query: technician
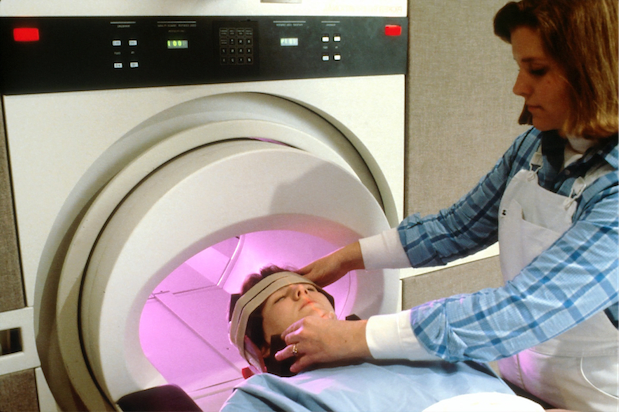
point(551, 201)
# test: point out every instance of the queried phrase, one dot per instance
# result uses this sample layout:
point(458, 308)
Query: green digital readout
point(178, 44)
point(289, 42)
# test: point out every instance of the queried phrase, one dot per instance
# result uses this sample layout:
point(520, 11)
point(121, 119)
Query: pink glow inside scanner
point(184, 324)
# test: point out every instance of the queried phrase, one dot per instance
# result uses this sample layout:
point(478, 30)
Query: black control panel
point(56, 54)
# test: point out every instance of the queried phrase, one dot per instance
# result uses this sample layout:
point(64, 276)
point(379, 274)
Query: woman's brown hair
point(582, 37)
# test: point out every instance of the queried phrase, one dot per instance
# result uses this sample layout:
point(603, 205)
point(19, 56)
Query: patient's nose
point(298, 290)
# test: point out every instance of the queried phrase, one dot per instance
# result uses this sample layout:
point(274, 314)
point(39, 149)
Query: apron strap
point(581, 183)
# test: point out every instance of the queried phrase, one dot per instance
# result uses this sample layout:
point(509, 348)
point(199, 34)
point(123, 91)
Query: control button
point(223, 50)
point(26, 34)
point(133, 43)
point(325, 38)
point(337, 57)
point(241, 60)
point(393, 30)
point(337, 38)
point(118, 65)
point(116, 43)
point(249, 60)
point(133, 65)
point(325, 57)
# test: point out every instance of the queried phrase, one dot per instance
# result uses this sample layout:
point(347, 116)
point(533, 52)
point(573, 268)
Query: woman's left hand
point(315, 340)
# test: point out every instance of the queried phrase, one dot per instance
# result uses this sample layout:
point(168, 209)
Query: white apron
point(578, 369)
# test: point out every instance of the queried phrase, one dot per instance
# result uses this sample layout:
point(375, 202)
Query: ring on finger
point(295, 351)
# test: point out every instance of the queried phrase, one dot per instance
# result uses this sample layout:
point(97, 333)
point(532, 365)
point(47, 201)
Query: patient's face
point(290, 304)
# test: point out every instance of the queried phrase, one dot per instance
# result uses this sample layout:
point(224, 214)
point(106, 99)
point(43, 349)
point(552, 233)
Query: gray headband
point(252, 299)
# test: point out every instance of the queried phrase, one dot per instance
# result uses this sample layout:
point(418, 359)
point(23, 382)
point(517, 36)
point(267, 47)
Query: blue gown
point(377, 386)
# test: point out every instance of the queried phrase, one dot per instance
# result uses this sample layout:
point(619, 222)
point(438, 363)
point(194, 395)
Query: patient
point(276, 298)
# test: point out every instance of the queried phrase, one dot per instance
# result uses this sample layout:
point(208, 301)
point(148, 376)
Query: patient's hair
point(582, 37)
point(254, 329)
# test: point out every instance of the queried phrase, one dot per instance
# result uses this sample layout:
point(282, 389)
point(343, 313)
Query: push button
point(393, 30)
point(26, 34)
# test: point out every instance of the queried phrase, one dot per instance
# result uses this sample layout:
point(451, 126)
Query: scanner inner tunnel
point(184, 323)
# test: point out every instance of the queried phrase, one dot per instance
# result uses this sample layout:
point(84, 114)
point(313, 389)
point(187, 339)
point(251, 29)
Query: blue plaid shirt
point(574, 279)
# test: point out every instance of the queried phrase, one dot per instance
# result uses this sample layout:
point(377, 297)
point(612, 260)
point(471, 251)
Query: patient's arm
point(319, 340)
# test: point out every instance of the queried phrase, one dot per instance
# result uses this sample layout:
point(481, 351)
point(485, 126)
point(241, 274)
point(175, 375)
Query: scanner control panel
point(55, 54)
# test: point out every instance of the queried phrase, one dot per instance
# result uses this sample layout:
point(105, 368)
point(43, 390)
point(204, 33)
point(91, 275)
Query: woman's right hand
point(332, 267)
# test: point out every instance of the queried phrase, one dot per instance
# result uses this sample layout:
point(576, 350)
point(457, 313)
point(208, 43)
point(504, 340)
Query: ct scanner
point(147, 185)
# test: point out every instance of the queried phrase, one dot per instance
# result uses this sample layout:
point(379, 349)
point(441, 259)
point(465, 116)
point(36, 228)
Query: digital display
point(178, 44)
point(289, 41)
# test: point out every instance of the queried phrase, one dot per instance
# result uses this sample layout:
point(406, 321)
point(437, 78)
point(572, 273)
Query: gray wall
point(17, 390)
point(462, 116)
point(11, 290)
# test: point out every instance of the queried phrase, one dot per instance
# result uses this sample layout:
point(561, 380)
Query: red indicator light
point(25, 34)
point(393, 30)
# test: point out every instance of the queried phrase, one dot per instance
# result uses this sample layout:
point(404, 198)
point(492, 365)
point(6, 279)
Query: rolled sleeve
point(384, 251)
point(391, 337)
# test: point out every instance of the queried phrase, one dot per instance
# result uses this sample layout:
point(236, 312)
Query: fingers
point(303, 361)
point(305, 270)
point(290, 331)
point(295, 342)
point(330, 315)
point(288, 352)
point(313, 273)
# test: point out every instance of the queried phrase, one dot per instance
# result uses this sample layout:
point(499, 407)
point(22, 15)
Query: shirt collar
point(609, 151)
point(553, 149)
